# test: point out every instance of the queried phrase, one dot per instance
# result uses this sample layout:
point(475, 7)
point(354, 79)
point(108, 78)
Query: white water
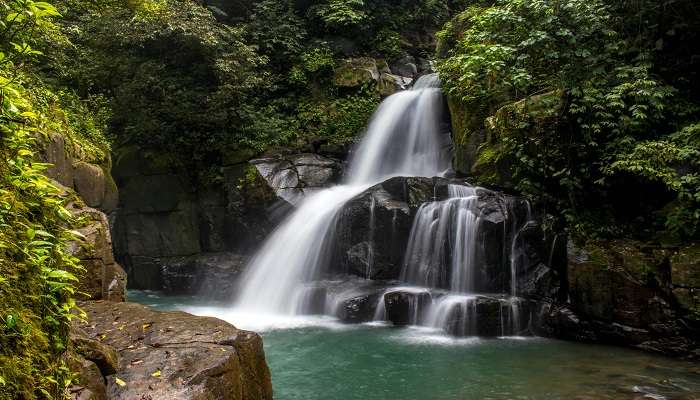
point(403, 139)
point(443, 243)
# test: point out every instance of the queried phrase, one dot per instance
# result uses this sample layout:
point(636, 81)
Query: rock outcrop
point(103, 278)
point(91, 193)
point(295, 176)
point(164, 218)
point(364, 71)
point(624, 292)
point(128, 351)
point(373, 230)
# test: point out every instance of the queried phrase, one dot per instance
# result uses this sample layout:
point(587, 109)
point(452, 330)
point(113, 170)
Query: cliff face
point(123, 350)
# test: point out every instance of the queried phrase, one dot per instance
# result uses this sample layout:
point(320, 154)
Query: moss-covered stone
point(356, 72)
point(617, 281)
point(685, 267)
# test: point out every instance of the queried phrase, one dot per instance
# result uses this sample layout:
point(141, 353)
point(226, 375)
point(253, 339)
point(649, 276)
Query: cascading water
point(442, 246)
point(403, 139)
point(440, 274)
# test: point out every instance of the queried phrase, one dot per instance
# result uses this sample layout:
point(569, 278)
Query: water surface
point(318, 358)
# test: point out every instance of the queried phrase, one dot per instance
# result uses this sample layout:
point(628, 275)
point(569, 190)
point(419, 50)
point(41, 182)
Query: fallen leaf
point(137, 362)
point(146, 326)
point(119, 382)
point(156, 374)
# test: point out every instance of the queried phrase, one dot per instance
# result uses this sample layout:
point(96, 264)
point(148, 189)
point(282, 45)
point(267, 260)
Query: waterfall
point(403, 139)
point(442, 246)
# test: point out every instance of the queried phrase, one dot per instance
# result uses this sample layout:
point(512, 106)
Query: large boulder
point(174, 355)
point(294, 176)
point(374, 228)
point(621, 292)
point(103, 278)
point(356, 72)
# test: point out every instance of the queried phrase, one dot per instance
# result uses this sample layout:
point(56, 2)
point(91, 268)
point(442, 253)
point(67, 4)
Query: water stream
point(403, 139)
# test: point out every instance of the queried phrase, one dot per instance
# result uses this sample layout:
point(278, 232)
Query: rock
point(359, 309)
point(403, 307)
point(168, 355)
point(90, 183)
point(103, 278)
point(54, 152)
point(356, 72)
point(104, 356)
point(614, 281)
point(212, 275)
point(354, 302)
point(374, 228)
point(390, 83)
point(405, 67)
point(293, 177)
point(685, 267)
point(90, 383)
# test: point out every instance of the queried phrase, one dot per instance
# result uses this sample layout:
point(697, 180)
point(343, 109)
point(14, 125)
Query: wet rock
point(211, 275)
point(390, 83)
point(177, 355)
point(405, 67)
point(405, 307)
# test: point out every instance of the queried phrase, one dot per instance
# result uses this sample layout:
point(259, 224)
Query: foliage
point(340, 14)
point(37, 274)
point(617, 110)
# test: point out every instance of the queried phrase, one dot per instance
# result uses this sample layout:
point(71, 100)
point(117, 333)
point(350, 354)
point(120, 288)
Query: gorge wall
point(118, 351)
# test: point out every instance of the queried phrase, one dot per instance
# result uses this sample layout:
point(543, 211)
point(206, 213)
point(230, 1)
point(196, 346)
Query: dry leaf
point(156, 374)
point(119, 382)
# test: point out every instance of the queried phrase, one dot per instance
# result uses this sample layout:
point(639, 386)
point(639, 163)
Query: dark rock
point(404, 307)
point(405, 67)
point(177, 355)
point(212, 275)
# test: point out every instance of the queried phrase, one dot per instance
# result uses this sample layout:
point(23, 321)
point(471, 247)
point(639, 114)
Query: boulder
point(90, 384)
point(90, 183)
point(103, 278)
point(169, 355)
point(54, 152)
point(292, 177)
point(405, 66)
point(390, 83)
point(404, 307)
point(356, 72)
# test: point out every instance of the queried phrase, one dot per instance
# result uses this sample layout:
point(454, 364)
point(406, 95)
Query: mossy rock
point(685, 267)
point(356, 72)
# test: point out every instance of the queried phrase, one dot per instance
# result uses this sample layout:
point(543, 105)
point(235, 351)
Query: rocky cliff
point(126, 351)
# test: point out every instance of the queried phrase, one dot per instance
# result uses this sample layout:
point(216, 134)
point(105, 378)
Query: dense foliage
point(197, 92)
point(620, 157)
point(37, 274)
